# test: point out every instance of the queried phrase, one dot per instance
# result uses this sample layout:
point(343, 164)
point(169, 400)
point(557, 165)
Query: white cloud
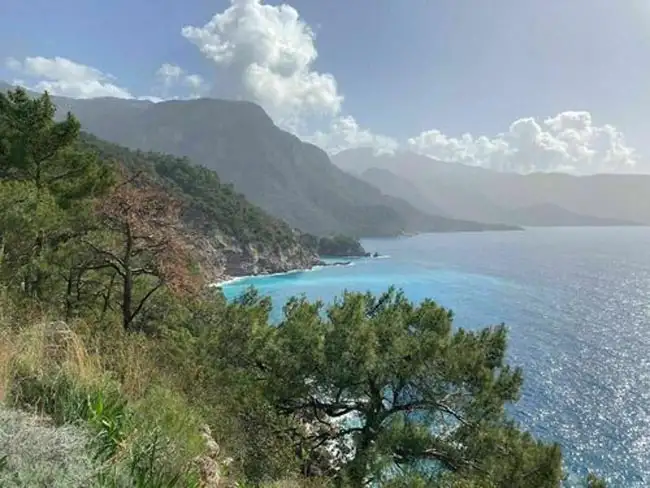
point(345, 133)
point(169, 72)
point(61, 76)
point(175, 78)
point(270, 51)
point(568, 142)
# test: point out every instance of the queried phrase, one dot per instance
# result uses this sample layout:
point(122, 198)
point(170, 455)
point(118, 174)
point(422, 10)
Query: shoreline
point(230, 280)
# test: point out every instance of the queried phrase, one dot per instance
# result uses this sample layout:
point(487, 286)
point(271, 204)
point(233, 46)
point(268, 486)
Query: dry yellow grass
point(6, 355)
point(129, 358)
point(43, 347)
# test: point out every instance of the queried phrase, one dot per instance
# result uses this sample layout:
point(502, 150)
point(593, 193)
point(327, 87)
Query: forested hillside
point(239, 236)
point(120, 367)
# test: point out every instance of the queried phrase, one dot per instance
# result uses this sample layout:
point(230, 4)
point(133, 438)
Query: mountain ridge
point(274, 169)
point(229, 235)
point(473, 193)
point(291, 179)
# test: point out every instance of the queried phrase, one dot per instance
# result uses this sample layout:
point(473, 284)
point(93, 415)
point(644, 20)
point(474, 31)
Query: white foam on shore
point(232, 281)
point(228, 281)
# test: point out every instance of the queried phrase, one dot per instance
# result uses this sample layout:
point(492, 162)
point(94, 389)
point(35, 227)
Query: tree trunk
point(357, 471)
point(68, 295)
point(127, 290)
point(107, 296)
point(127, 298)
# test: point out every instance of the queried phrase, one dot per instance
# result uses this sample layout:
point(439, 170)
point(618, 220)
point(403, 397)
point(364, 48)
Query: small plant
point(147, 467)
point(108, 415)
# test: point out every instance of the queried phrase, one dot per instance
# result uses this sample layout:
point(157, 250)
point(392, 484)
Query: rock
point(209, 465)
point(218, 257)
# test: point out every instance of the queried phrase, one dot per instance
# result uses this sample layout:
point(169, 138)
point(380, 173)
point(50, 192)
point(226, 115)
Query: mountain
point(550, 215)
point(393, 185)
point(472, 193)
point(229, 235)
point(290, 179)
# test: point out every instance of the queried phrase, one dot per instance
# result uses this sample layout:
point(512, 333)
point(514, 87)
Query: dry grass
point(6, 357)
point(46, 348)
point(107, 382)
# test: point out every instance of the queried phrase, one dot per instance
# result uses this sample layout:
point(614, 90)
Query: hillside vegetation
point(211, 204)
point(112, 345)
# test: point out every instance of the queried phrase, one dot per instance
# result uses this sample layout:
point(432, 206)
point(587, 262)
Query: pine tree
point(393, 388)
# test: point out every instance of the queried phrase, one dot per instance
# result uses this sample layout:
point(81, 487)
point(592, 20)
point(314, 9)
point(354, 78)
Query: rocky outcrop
point(220, 258)
point(211, 465)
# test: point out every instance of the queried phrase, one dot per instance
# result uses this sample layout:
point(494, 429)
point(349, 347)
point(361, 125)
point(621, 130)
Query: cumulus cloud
point(344, 133)
point(270, 52)
point(174, 78)
point(568, 142)
point(61, 76)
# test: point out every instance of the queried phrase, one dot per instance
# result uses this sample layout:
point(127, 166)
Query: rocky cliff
point(221, 258)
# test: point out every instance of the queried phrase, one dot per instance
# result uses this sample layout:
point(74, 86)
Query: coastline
point(230, 280)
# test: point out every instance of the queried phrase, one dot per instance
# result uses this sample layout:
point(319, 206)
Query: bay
point(577, 304)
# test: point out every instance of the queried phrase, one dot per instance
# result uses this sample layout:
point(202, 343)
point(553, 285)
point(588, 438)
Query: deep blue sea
point(577, 303)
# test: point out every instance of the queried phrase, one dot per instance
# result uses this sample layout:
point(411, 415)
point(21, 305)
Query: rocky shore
point(220, 260)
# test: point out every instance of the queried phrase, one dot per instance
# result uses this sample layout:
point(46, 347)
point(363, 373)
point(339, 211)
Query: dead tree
point(143, 244)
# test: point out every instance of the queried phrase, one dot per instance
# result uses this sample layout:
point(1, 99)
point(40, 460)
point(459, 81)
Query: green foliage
point(33, 147)
point(212, 206)
point(148, 467)
point(55, 395)
point(364, 374)
point(45, 191)
point(340, 245)
point(109, 417)
point(594, 481)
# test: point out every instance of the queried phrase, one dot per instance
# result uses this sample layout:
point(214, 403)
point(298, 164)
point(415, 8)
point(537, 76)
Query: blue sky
point(418, 73)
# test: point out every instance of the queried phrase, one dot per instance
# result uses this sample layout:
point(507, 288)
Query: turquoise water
point(577, 302)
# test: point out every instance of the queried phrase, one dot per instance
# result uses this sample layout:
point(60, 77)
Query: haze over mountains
point(537, 199)
point(290, 179)
point(362, 194)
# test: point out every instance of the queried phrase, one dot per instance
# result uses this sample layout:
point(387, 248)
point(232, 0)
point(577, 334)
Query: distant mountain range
point(288, 178)
point(466, 192)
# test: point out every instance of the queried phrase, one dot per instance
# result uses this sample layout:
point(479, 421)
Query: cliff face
point(221, 258)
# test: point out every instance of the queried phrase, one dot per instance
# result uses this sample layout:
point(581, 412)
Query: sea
point(577, 305)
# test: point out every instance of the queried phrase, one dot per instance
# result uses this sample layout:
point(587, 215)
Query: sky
point(514, 85)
